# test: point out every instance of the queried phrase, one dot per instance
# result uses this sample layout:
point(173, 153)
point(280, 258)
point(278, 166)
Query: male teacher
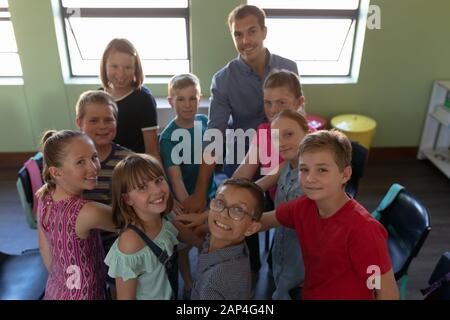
point(236, 91)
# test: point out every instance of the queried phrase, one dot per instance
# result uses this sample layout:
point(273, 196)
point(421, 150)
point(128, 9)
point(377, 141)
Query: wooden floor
point(420, 178)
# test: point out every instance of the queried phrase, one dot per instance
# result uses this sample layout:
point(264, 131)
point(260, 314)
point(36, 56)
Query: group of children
point(98, 178)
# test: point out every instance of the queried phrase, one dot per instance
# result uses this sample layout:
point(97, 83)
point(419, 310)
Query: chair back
point(27, 205)
point(408, 224)
point(359, 159)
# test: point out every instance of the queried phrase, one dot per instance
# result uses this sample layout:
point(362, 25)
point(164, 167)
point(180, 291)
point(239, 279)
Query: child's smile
point(225, 230)
point(319, 175)
point(92, 179)
point(99, 124)
point(157, 203)
point(80, 168)
point(185, 102)
point(158, 200)
point(120, 68)
point(290, 134)
point(149, 197)
point(222, 226)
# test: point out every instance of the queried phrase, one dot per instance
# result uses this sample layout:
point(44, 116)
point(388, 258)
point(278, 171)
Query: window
point(9, 56)
point(158, 30)
point(323, 36)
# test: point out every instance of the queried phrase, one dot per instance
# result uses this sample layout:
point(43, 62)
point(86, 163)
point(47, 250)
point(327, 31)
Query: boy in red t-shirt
point(344, 248)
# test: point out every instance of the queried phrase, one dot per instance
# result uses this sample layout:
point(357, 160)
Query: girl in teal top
point(141, 197)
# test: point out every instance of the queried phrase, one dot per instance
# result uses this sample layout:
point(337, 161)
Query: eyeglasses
point(234, 212)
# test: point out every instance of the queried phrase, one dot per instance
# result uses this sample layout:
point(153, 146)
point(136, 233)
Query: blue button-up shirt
point(236, 90)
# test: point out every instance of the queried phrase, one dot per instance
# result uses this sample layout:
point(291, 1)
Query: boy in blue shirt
point(182, 169)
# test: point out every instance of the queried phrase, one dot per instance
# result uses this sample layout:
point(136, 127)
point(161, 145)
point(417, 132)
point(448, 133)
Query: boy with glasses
point(223, 271)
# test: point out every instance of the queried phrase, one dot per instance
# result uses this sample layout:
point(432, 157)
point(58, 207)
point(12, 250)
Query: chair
point(439, 282)
point(408, 224)
point(22, 277)
point(359, 159)
point(27, 206)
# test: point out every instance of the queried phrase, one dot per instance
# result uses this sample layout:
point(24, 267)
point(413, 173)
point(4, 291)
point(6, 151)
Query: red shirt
point(338, 250)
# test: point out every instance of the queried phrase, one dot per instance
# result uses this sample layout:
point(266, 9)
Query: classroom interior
point(400, 65)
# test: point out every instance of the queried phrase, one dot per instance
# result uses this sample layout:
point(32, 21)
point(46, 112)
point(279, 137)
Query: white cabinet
point(435, 141)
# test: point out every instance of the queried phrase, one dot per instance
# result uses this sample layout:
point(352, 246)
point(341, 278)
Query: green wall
point(399, 63)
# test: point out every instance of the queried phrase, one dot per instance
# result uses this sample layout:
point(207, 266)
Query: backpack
point(28, 182)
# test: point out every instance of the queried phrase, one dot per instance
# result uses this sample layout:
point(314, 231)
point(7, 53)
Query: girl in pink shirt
point(69, 241)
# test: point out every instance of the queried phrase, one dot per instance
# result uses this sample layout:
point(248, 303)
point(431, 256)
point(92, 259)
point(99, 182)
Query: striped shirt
point(102, 192)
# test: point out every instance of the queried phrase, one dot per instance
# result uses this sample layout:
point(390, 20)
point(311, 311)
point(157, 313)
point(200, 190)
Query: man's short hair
point(243, 11)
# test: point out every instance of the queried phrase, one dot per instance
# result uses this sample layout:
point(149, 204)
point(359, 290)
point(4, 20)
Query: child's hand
point(192, 220)
point(187, 235)
point(194, 203)
point(201, 231)
point(177, 207)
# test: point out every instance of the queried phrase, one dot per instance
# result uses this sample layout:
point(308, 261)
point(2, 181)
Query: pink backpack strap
point(36, 180)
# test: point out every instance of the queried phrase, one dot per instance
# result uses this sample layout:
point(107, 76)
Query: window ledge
point(329, 80)
point(11, 81)
point(162, 103)
point(165, 80)
point(83, 80)
point(96, 80)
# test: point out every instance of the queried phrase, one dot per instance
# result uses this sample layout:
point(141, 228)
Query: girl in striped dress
point(69, 239)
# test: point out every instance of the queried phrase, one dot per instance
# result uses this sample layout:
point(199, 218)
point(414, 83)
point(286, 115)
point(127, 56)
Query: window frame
point(358, 16)
point(11, 79)
point(123, 13)
point(5, 9)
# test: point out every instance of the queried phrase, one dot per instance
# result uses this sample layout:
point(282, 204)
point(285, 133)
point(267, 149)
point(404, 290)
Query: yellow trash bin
point(356, 127)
